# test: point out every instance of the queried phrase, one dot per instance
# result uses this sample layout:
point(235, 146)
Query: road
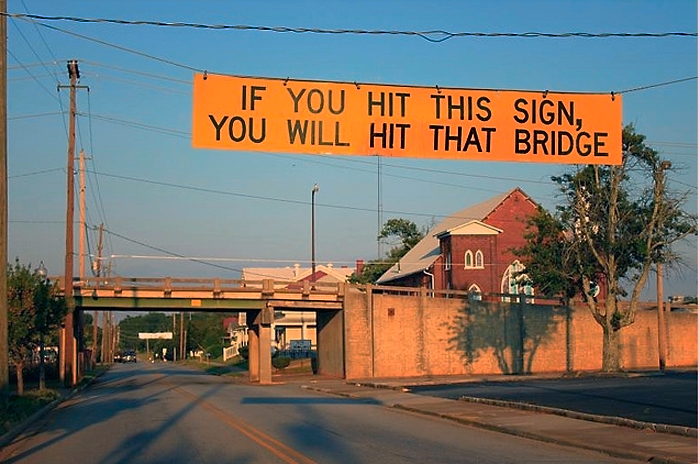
point(671, 398)
point(165, 413)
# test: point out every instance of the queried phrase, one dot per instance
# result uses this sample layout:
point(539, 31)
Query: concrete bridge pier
point(259, 342)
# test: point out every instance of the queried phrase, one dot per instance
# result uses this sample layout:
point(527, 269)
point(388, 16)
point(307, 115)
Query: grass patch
point(14, 409)
point(233, 369)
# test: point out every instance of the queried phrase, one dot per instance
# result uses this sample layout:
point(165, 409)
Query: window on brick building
point(473, 260)
point(468, 259)
point(516, 283)
point(479, 259)
point(474, 292)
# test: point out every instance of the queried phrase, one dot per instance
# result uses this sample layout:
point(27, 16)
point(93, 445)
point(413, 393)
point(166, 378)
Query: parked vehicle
point(129, 356)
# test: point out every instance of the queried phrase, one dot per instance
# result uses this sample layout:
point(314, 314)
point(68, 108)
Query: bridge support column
point(265, 355)
point(253, 354)
point(259, 342)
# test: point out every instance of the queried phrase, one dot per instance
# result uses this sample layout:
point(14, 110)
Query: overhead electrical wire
point(281, 200)
point(43, 40)
point(34, 18)
point(434, 36)
point(170, 253)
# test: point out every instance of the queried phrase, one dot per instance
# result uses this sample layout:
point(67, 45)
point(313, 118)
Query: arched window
point(468, 259)
point(479, 259)
point(515, 283)
point(474, 292)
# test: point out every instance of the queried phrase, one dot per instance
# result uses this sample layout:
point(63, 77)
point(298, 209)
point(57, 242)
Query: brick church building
point(471, 250)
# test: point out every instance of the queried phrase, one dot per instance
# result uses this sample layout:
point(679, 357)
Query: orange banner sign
point(292, 116)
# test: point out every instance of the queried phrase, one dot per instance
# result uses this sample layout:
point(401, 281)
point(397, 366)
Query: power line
point(138, 73)
point(138, 125)
point(660, 84)
point(281, 200)
point(170, 253)
point(423, 34)
point(35, 173)
point(434, 36)
point(122, 48)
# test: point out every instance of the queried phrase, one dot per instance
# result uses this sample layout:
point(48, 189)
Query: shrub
point(280, 362)
point(243, 352)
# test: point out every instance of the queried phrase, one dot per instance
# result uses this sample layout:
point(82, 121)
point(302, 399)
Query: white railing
point(230, 352)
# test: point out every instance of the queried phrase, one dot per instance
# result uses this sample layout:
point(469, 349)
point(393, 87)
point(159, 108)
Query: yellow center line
point(276, 447)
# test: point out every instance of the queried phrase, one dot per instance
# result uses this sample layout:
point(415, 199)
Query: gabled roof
point(296, 274)
point(471, 228)
point(424, 254)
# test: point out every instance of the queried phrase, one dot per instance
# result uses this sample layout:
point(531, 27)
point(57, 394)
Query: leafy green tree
point(402, 235)
point(34, 309)
point(613, 225)
point(206, 331)
point(151, 322)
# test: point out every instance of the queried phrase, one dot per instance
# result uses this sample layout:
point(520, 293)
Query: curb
point(20, 427)
point(607, 450)
point(614, 452)
point(620, 421)
point(11, 434)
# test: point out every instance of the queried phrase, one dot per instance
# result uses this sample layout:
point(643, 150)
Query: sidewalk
point(647, 444)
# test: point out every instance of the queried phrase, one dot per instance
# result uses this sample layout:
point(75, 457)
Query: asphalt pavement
point(611, 435)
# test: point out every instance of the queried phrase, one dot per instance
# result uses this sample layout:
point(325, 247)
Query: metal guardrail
point(212, 288)
point(267, 288)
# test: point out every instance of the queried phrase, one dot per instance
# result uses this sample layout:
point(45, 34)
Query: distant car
point(117, 357)
point(129, 356)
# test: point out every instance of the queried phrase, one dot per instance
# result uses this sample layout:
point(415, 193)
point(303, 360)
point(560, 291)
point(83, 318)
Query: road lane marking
point(276, 447)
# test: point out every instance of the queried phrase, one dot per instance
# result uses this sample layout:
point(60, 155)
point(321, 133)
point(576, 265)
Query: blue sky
point(159, 198)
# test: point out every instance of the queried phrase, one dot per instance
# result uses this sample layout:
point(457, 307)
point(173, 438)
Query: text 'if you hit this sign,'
point(312, 117)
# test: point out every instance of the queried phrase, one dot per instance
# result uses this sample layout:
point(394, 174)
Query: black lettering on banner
point(253, 96)
point(312, 131)
point(462, 108)
point(457, 106)
point(519, 108)
point(239, 129)
point(547, 112)
point(218, 126)
point(460, 139)
point(599, 144)
point(559, 143)
point(315, 104)
point(387, 135)
point(438, 101)
point(316, 100)
point(386, 103)
point(485, 113)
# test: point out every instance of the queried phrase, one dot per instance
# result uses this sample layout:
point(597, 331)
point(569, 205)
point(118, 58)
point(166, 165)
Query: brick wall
point(401, 336)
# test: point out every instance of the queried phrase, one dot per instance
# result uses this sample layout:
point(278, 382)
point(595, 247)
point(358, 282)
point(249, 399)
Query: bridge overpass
point(258, 299)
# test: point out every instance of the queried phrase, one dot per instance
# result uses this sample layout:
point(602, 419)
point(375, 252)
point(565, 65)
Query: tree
point(614, 224)
point(403, 234)
point(151, 322)
point(34, 308)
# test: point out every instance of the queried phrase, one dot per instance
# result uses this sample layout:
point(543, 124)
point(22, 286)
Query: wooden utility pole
point(69, 352)
point(98, 269)
point(81, 220)
point(182, 335)
point(81, 249)
point(4, 343)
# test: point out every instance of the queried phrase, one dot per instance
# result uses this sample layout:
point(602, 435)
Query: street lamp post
point(314, 189)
